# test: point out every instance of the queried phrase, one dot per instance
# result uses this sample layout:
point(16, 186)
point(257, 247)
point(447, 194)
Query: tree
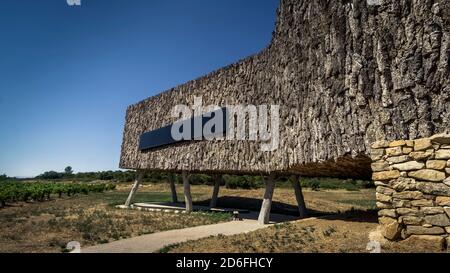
point(50, 175)
point(68, 170)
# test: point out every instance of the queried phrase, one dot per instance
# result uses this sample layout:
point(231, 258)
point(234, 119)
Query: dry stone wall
point(413, 187)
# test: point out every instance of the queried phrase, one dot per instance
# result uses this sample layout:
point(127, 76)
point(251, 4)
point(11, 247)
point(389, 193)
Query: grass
point(215, 216)
point(168, 248)
point(335, 184)
point(342, 233)
point(367, 203)
point(93, 219)
point(117, 198)
point(308, 236)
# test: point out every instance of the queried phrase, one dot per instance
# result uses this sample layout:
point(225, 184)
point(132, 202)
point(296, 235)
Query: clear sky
point(67, 73)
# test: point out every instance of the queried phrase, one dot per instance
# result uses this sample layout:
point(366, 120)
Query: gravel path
point(154, 242)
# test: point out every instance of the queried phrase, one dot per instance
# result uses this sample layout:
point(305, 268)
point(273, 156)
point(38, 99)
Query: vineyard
point(40, 191)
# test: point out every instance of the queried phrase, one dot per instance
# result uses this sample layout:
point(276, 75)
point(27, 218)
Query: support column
point(173, 189)
point(299, 196)
point(264, 214)
point(187, 192)
point(217, 180)
point(137, 182)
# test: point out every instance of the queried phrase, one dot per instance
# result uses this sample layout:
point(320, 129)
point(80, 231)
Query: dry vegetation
point(347, 233)
point(344, 233)
point(93, 219)
point(321, 202)
point(346, 220)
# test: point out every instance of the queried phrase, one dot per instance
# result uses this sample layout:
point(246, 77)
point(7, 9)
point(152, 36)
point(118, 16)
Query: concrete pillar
point(187, 192)
point(173, 189)
point(137, 182)
point(299, 196)
point(217, 180)
point(264, 214)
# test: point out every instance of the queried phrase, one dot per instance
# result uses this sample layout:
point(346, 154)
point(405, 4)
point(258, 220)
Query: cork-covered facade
point(344, 73)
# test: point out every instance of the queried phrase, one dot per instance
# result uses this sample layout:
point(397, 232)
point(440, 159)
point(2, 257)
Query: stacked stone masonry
point(413, 188)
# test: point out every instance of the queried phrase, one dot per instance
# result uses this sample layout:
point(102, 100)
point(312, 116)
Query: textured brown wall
point(345, 75)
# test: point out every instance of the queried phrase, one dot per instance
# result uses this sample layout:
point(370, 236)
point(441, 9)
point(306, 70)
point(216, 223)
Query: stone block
point(383, 198)
point(432, 188)
point(397, 143)
point(394, 151)
point(401, 203)
point(420, 230)
point(407, 150)
point(436, 164)
point(409, 166)
point(381, 205)
point(443, 201)
point(386, 175)
point(380, 166)
point(422, 144)
point(424, 243)
point(428, 175)
point(407, 211)
point(390, 228)
point(408, 195)
point(404, 184)
point(447, 211)
point(387, 213)
point(422, 203)
point(443, 138)
point(447, 181)
point(411, 220)
point(442, 154)
point(380, 144)
point(376, 154)
point(397, 159)
point(382, 183)
point(385, 190)
point(420, 155)
point(431, 210)
point(440, 220)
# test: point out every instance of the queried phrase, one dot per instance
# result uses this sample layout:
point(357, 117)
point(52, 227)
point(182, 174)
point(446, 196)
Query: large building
point(344, 74)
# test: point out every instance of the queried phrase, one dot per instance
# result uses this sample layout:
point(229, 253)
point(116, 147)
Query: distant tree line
point(119, 176)
point(229, 181)
point(4, 177)
point(256, 181)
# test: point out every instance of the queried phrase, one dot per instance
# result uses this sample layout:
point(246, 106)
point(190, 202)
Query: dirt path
point(154, 242)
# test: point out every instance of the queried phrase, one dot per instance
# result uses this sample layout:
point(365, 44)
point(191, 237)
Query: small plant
point(167, 248)
point(282, 225)
point(315, 186)
point(330, 230)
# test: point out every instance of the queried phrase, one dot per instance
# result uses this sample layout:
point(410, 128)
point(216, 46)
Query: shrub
point(242, 182)
point(200, 179)
point(315, 186)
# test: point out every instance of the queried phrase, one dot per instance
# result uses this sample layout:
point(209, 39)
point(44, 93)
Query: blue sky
point(67, 73)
